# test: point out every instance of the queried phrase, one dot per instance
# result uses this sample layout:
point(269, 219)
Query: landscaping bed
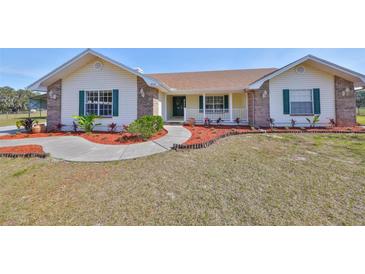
point(26, 151)
point(106, 138)
point(202, 136)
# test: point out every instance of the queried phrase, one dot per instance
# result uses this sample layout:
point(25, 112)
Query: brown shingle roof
point(212, 80)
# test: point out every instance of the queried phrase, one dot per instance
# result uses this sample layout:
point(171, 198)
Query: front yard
point(272, 179)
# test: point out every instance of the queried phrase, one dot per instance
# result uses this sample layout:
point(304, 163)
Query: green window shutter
point(316, 101)
point(286, 108)
point(200, 103)
point(115, 102)
point(226, 100)
point(81, 103)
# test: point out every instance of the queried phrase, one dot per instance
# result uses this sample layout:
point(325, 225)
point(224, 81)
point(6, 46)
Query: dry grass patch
point(241, 180)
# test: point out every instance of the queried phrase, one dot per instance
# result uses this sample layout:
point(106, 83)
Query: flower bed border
point(233, 132)
point(23, 151)
point(23, 155)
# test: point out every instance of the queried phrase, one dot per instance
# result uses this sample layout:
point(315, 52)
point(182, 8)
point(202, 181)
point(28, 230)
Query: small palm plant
point(87, 122)
point(314, 121)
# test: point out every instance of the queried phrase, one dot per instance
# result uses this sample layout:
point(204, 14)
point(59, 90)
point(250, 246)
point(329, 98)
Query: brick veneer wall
point(54, 96)
point(147, 105)
point(345, 102)
point(259, 106)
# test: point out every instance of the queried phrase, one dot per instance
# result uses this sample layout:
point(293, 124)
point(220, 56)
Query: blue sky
point(21, 67)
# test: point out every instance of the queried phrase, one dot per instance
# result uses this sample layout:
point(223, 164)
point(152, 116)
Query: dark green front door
point(178, 104)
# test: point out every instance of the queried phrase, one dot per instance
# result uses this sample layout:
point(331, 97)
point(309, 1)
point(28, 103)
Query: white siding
point(311, 78)
point(110, 77)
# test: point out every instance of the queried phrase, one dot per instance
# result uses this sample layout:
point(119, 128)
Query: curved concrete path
point(8, 130)
point(78, 149)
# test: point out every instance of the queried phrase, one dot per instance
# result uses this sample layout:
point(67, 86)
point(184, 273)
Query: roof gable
point(357, 78)
point(79, 61)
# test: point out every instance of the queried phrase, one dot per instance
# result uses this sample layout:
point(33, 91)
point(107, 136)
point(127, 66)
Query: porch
point(227, 107)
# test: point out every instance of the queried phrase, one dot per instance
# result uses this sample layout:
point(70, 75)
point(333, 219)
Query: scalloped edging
point(23, 155)
point(232, 133)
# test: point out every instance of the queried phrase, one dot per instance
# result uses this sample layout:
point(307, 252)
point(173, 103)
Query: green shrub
point(146, 126)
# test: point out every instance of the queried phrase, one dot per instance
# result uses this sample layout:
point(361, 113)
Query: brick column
point(259, 106)
point(54, 94)
point(147, 102)
point(345, 103)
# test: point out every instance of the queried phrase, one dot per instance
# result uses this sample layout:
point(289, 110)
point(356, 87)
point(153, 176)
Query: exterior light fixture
point(52, 95)
point(264, 94)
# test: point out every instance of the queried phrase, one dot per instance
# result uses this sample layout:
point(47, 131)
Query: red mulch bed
point(202, 134)
point(105, 138)
point(22, 151)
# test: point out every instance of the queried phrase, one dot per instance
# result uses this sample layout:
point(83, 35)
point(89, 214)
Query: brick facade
point(54, 96)
point(345, 102)
point(147, 104)
point(259, 106)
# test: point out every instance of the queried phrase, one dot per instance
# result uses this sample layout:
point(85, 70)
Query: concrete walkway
point(8, 130)
point(78, 149)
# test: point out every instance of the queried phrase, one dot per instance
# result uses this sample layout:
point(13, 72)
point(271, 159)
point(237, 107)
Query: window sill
point(302, 114)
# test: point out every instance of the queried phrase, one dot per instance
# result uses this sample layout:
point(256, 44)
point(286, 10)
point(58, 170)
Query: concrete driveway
point(78, 149)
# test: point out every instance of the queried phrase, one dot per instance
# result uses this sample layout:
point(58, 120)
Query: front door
point(178, 104)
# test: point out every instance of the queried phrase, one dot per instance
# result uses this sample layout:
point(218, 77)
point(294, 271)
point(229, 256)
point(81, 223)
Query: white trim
point(230, 107)
point(165, 107)
point(258, 83)
point(98, 109)
point(204, 105)
point(246, 100)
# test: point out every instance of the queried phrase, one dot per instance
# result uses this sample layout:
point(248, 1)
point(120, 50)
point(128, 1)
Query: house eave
point(201, 91)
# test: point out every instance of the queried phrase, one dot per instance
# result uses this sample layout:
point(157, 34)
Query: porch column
point(165, 110)
point(230, 108)
point(184, 114)
point(204, 105)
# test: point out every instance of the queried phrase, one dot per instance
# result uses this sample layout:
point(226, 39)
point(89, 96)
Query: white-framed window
point(301, 101)
point(99, 102)
point(214, 104)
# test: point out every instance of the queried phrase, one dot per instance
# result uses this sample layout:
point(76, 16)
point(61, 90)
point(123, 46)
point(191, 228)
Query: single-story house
point(94, 83)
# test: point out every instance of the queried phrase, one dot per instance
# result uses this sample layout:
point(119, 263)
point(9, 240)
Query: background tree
point(12, 100)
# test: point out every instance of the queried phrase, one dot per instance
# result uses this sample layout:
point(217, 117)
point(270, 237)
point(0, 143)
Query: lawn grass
point(273, 179)
point(360, 120)
point(10, 119)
